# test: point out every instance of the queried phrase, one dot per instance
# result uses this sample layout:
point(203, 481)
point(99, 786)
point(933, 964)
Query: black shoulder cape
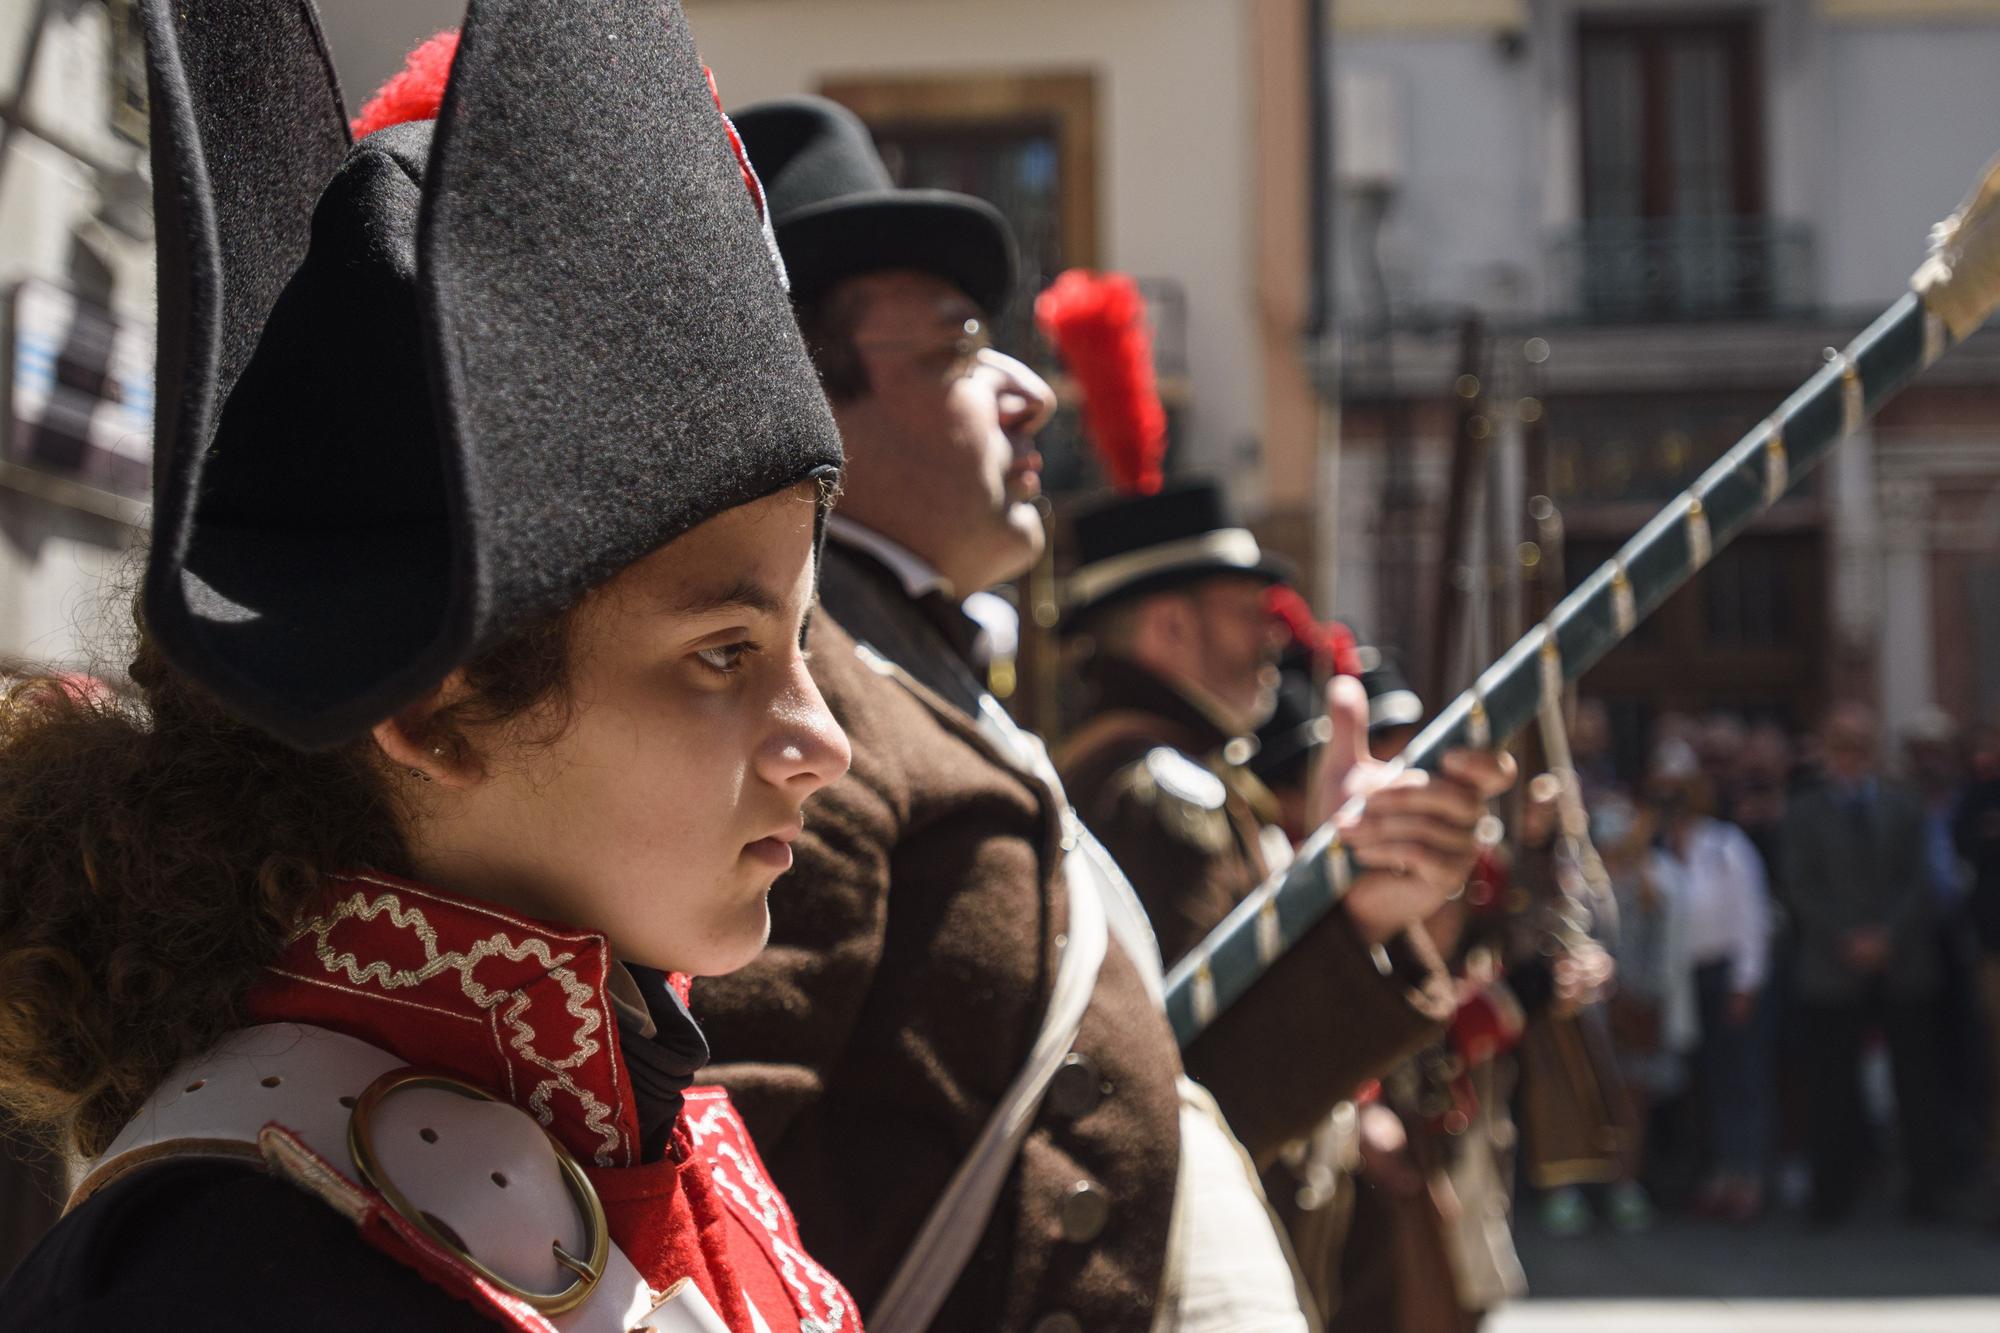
point(202, 1244)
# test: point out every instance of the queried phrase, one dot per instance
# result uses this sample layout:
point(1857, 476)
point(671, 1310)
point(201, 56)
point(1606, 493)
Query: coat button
point(1084, 1211)
point(1076, 1088)
point(1060, 1322)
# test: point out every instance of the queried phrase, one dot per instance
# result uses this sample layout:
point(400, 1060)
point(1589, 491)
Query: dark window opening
point(1674, 206)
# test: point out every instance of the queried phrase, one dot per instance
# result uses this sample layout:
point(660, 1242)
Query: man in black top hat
point(944, 889)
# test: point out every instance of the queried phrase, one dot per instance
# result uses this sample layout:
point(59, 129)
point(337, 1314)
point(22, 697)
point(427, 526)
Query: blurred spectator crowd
point(1807, 939)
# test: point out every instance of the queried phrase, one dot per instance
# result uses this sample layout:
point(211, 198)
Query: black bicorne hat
point(839, 215)
point(497, 360)
point(1132, 545)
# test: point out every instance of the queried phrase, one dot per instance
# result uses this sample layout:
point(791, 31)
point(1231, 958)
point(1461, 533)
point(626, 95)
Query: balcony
point(1631, 270)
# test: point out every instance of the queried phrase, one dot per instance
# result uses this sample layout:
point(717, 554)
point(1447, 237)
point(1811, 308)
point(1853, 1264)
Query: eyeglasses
point(957, 356)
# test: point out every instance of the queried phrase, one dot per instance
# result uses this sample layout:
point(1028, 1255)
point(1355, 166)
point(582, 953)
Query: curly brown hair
point(154, 855)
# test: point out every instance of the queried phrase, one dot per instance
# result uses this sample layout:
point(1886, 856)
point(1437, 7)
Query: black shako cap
point(522, 348)
point(1132, 545)
point(838, 214)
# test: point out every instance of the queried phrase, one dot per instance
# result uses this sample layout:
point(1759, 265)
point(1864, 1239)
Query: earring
point(420, 775)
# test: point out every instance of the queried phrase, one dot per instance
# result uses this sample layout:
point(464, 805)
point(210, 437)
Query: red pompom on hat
point(1097, 322)
point(416, 91)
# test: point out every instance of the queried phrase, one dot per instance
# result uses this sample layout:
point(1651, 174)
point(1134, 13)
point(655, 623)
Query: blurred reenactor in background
point(1170, 610)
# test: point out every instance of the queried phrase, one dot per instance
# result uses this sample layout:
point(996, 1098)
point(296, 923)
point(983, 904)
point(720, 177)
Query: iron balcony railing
point(1615, 269)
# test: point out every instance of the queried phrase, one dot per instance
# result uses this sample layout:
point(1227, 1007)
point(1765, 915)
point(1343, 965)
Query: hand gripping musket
point(1952, 295)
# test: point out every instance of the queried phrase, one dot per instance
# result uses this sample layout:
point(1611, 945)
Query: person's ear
point(413, 742)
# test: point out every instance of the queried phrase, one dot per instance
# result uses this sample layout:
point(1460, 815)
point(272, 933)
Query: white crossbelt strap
point(938, 1254)
point(486, 1169)
point(1126, 915)
point(1101, 904)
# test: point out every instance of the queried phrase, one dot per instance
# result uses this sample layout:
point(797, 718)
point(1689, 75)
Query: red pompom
point(414, 92)
point(1331, 644)
point(1097, 322)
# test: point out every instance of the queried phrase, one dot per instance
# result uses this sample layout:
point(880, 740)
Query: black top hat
point(1391, 700)
point(838, 215)
point(503, 358)
point(1132, 545)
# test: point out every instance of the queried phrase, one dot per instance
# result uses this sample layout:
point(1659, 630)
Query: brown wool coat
point(913, 948)
point(1190, 860)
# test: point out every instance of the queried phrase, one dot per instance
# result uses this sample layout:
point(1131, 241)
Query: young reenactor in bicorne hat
point(963, 994)
point(490, 474)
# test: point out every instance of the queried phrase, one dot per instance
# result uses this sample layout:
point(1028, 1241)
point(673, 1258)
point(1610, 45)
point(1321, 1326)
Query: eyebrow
point(745, 594)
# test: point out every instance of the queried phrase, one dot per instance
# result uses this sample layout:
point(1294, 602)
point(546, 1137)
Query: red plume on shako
point(1097, 322)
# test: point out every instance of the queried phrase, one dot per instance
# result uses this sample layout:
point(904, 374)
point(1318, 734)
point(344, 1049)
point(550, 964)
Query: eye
point(726, 658)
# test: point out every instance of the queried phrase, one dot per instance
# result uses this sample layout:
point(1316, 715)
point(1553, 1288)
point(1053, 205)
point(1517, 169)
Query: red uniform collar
point(523, 1009)
point(518, 1006)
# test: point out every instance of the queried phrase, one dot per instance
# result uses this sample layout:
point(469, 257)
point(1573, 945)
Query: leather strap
point(485, 1169)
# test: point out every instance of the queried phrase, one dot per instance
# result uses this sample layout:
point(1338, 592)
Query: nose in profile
point(807, 748)
point(1026, 401)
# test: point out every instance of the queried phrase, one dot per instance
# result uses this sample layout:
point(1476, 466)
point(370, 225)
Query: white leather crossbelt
point(484, 1172)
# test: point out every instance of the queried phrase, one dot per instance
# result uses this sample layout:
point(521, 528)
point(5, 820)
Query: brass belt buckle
point(597, 1232)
